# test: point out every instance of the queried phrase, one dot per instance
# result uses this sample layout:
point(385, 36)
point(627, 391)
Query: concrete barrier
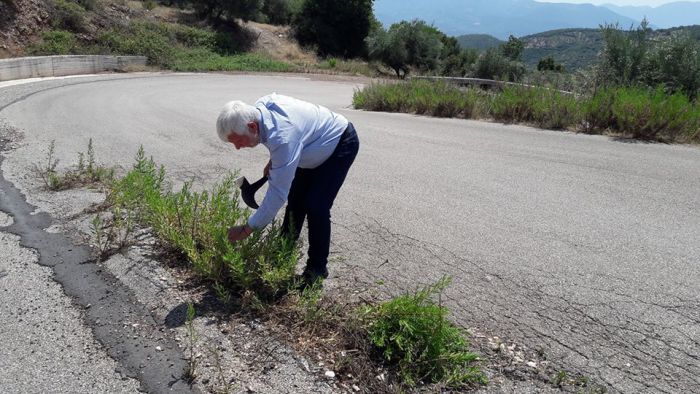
point(56, 66)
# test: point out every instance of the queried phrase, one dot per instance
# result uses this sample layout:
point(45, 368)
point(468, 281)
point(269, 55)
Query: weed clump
point(412, 332)
point(86, 172)
point(259, 268)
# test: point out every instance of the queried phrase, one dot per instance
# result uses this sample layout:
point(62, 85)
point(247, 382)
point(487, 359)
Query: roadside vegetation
point(85, 172)
point(639, 89)
point(630, 112)
point(385, 346)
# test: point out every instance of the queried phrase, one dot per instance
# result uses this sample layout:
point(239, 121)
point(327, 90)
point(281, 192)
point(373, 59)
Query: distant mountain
point(498, 18)
point(574, 48)
point(578, 48)
point(480, 42)
point(680, 13)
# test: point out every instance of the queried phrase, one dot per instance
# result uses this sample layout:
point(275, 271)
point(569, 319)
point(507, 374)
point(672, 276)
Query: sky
point(652, 3)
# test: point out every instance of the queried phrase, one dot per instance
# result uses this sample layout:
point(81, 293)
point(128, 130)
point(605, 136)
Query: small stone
point(330, 374)
point(354, 387)
point(158, 348)
point(532, 364)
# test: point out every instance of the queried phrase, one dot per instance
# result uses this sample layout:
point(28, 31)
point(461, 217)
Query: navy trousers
point(311, 198)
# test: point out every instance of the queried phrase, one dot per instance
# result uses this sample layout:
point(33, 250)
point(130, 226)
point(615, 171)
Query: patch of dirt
point(278, 43)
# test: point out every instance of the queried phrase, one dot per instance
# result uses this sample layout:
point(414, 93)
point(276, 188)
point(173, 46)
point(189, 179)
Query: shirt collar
point(266, 122)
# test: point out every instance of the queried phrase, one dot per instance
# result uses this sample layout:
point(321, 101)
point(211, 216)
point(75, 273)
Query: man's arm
point(284, 160)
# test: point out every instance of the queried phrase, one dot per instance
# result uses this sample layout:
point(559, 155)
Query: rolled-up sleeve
point(285, 159)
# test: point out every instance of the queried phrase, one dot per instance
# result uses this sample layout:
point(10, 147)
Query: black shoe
point(309, 278)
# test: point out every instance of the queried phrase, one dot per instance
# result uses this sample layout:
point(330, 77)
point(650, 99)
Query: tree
point(623, 53)
point(513, 49)
point(493, 65)
point(335, 27)
point(549, 64)
point(674, 63)
point(454, 60)
point(387, 48)
point(228, 9)
point(405, 45)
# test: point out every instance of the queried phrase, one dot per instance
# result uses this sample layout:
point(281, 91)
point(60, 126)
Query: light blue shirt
point(297, 134)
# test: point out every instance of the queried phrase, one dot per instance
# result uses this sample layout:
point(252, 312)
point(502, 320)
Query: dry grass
point(277, 42)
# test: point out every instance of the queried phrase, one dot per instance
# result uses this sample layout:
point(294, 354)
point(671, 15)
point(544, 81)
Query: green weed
point(54, 42)
point(413, 333)
point(83, 174)
point(542, 107)
point(258, 269)
point(192, 337)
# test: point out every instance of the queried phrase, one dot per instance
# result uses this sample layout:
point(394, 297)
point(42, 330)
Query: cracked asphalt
point(582, 247)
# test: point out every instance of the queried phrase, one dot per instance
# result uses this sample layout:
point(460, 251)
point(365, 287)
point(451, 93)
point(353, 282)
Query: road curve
point(581, 246)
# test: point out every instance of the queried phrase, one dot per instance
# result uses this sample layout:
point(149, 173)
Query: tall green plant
point(196, 224)
point(413, 333)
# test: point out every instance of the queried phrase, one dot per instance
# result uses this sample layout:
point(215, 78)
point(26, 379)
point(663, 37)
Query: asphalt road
point(583, 247)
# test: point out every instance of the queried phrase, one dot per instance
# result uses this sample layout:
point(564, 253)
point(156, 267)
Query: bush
point(674, 62)
point(260, 268)
point(632, 112)
point(653, 114)
point(334, 27)
point(146, 39)
point(278, 12)
point(54, 42)
point(413, 333)
point(543, 107)
point(493, 65)
point(67, 15)
point(200, 59)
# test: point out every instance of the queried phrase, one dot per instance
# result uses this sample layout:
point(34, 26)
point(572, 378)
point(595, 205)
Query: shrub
point(412, 332)
point(90, 5)
point(260, 268)
point(200, 59)
point(67, 15)
point(493, 65)
point(54, 42)
point(146, 39)
point(641, 113)
point(421, 97)
point(543, 107)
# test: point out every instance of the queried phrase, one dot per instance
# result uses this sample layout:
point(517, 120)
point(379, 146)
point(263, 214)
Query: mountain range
point(501, 18)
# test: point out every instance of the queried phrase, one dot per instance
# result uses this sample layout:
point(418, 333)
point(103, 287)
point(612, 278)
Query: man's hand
point(266, 171)
point(238, 233)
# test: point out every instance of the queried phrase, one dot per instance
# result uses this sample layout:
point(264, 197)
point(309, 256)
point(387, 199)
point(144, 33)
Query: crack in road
point(145, 353)
point(596, 339)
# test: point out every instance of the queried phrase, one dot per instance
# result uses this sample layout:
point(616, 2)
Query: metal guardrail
point(484, 82)
point(55, 66)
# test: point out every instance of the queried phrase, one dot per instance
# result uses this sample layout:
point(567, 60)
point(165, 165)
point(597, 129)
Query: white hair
point(234, 118)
